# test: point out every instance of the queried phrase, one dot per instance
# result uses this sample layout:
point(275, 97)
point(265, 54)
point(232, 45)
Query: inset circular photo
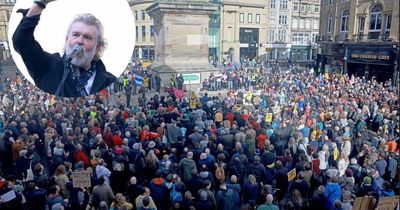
point(72, 48)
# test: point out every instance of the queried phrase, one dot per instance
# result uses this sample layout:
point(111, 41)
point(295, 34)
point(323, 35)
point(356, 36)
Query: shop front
point(371, 62)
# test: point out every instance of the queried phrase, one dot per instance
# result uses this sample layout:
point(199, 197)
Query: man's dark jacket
point(47, 69)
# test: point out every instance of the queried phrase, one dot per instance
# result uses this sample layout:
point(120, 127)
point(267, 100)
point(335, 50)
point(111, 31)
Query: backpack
point(175, 195)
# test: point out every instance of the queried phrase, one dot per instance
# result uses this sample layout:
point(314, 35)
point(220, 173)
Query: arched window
point(375, 21)
point(344, 25)
point(375, 18)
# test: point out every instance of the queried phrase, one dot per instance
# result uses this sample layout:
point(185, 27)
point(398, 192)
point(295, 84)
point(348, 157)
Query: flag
point(178, 93)
point(139, 80)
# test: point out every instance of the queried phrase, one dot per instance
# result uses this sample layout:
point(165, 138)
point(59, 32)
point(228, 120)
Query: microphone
point(75, 51)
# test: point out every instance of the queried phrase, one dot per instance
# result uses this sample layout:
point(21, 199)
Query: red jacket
point(81, 156)
point(117, 140)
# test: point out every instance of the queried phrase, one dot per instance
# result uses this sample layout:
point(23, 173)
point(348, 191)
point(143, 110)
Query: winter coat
point(332, 193)
point(187, 166)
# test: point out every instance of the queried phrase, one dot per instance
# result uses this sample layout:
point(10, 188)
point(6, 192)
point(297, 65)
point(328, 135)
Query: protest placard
point(81, 179)
point(291, 174)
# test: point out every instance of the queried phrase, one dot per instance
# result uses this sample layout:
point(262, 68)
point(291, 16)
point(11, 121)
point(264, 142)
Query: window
point(283, 19)
point(329, 2)
point(315, 24)
point(143, 15)
point(7, 15)
point(272, 4)
point(375, 21)
point(302, 8)
point(241, 17)
point(136, 16)
point(316, 9)
point(249, 18)
point(308, 8)
point(314, 38)
point(284, 4)
point(388, 22)
point(271, 35)
point(308, 24)
point(151, 31)
point(344, 25)
point(257, 18)
point(375, 18)
point(295, 23)
point(330, 24)
point(137, 32)
point(143, 32)
point(301, 23)
point(388, 26)
point(295, 6)
point(362, 24)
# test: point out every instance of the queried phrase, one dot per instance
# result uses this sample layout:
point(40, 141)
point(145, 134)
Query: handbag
point(29, 173)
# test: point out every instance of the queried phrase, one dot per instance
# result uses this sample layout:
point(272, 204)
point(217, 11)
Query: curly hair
point(91, 20)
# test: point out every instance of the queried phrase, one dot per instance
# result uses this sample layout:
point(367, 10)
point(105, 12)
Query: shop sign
point(371, 57)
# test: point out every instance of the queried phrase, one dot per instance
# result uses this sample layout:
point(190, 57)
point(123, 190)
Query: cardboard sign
point(291, 174)
point(388, 203)
point(268, 117)
point(81, 179)
point(364, 203)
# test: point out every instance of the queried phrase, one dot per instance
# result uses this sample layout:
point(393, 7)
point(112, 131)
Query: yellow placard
point(268, 117)
point(291, 174)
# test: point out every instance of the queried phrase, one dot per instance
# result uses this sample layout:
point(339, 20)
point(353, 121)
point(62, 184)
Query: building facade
point(304, 29)
point(6, 7)
point(144, 45)
point(360, 37)
point(243, 30)
point(279, 29)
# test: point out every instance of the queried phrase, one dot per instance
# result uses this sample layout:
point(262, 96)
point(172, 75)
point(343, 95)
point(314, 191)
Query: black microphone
point(75, 51)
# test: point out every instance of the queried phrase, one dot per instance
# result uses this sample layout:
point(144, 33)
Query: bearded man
point(79, 72)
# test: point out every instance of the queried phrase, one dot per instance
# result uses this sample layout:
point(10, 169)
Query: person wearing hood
point(157, 188)
point(102, 171)
point(257, 169)
point(386, 190)
point(365, 188)
point(187, 164)
point(203, 202)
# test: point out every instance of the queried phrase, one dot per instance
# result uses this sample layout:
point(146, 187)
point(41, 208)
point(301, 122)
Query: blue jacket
point(332, 192)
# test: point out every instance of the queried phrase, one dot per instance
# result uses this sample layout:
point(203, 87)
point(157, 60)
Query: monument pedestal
point(181, 40)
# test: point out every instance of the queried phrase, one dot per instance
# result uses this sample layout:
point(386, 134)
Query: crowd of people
point(211, 151)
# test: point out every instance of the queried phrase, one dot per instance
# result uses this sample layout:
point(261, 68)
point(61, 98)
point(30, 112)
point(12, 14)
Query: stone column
point(181, 39)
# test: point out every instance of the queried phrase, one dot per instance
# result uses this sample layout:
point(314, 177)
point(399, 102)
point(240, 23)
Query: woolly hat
point(118, 151)
point(367, 180)
point(349, 172)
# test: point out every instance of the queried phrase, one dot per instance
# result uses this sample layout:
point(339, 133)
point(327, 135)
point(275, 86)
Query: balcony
point(341, 37)
point(372, 37)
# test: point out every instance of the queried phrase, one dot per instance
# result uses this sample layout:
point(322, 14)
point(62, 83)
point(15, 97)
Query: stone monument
point(181, 40)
